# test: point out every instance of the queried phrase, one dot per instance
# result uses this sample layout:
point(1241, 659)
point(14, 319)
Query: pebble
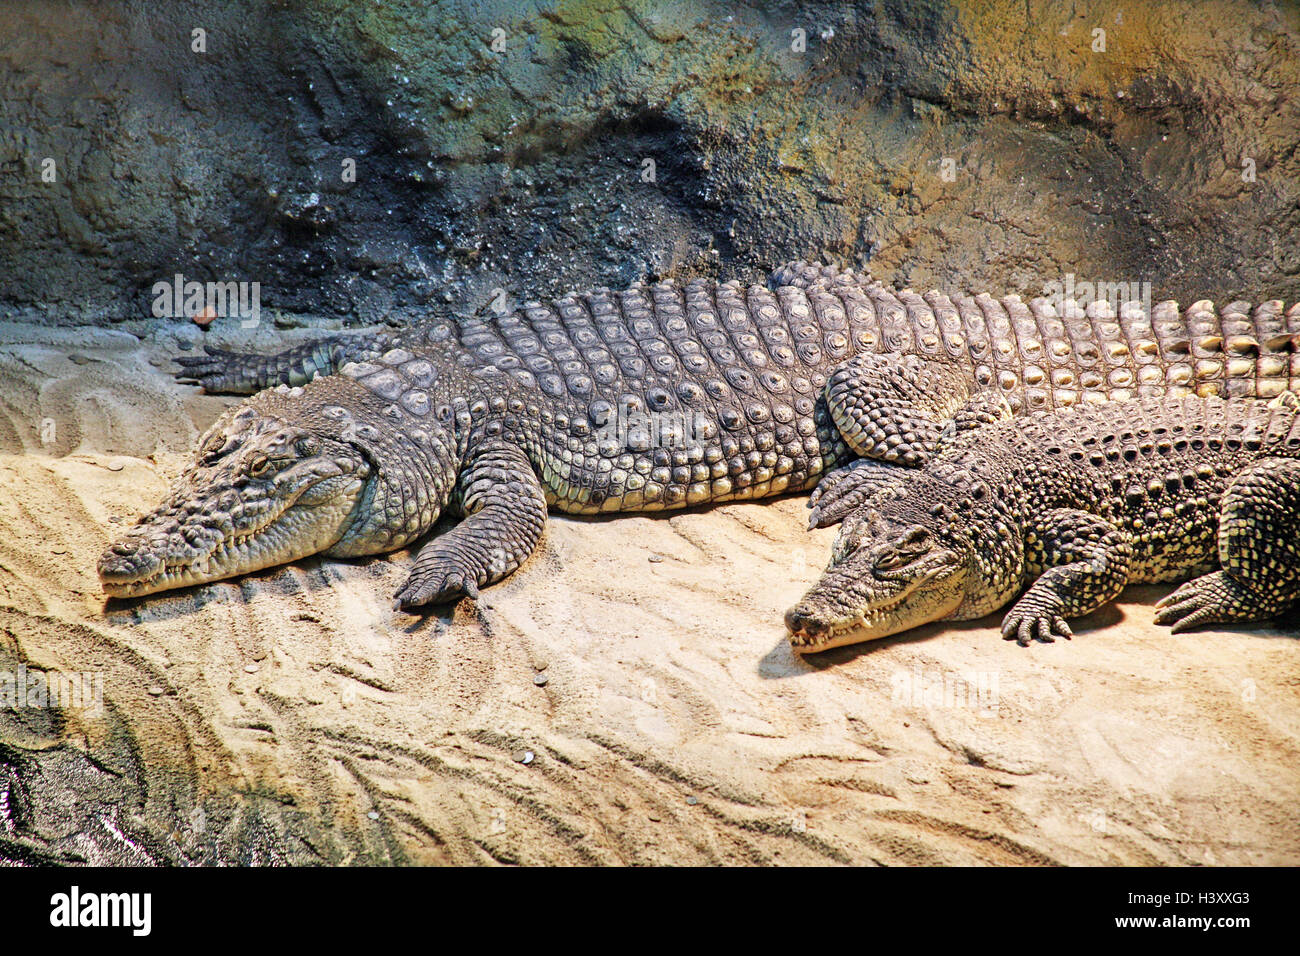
point(540, 680)
point(156, 691)
point(373, 815)
point(251, 668)
point(524, 757)
point(656, 558)
point(692, 800)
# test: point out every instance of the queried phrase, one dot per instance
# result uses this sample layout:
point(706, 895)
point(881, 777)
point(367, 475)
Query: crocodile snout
point(128, 561)
point(799, 618)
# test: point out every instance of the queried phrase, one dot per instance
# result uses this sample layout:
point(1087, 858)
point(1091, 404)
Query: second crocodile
point(1075, 504)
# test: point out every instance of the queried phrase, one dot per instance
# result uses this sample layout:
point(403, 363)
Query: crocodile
point(658, 396)
point(1065, 508)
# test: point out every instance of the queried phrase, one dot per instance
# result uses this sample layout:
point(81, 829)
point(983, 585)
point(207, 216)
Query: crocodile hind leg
point(894, 408)
point(845, 489)
point(1087, 564)
point(242, 373)
point(505, 509)
point(1259, 553)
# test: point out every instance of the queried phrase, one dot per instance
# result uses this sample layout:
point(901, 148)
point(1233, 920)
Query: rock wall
point(525, 149)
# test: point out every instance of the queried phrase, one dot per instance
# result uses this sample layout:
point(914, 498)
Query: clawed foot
point(846, 489)
point(446, 571)
point(441, 581)
point(1210, 599)
point(1035, 618)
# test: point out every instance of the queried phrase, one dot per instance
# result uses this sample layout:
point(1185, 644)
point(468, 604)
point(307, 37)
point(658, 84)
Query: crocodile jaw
point(144, 563)
point(261, 492)
point(840, 611)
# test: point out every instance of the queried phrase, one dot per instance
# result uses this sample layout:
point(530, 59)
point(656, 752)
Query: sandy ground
point(627, 697)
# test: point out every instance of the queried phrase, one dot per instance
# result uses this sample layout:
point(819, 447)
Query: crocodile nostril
point(797, 617)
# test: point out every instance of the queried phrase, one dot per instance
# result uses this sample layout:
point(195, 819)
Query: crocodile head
point(260, 492)
point(924, 554)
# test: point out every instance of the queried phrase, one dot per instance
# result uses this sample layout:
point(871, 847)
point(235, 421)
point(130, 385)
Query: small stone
point(656, 558)
point(692, 800)
point(251, 668)
point(155, 690)
point(374, 815)
point(524, 757)
point(540, 680)
point(116, 465)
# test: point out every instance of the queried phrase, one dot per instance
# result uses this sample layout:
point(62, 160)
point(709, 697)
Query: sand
point(627, 697)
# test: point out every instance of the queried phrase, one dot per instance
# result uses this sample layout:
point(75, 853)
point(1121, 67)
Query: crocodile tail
point(242, 373)
point(1041, 355)
point(1240, 350)
point(804, 275)
point(1237, 351)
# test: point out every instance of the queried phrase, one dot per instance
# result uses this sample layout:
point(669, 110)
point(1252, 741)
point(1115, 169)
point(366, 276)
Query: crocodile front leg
point(505, 513)
point(1086, 563)
point(1259, 551)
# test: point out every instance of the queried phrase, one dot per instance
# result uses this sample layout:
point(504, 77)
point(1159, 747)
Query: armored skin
point(1069, 507)
point(659, 396)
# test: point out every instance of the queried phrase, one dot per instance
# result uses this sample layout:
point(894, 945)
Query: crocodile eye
point(915, 544)
point(212, 450)
point(260, 466)
point(892, 560)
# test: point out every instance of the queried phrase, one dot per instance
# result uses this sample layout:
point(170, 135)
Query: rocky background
point(507, 146)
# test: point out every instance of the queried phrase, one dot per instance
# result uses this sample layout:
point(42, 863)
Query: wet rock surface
point(499, 150)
